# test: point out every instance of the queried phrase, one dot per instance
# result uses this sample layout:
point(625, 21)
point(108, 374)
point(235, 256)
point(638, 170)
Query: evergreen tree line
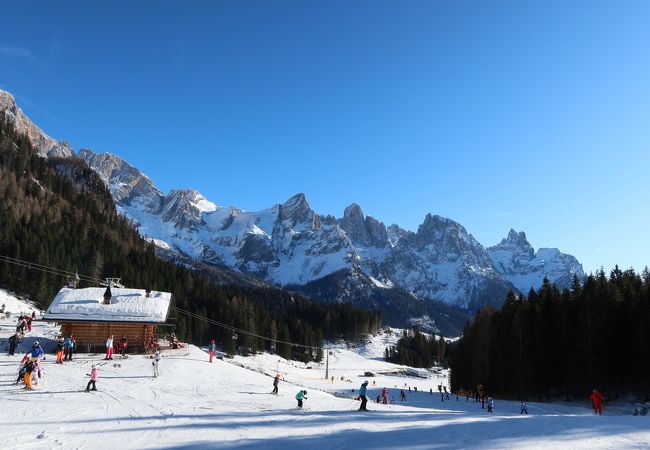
point(416, 349)
point(70, 222)
point(554, 344)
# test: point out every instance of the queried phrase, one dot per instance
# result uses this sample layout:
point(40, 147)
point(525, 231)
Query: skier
point(37, 350)
point(378, 399)
point(28, 319)
point(362, 396)
point(597, 399)
point(384, 396)
point(109, 347)
point(29, 368)
point(13, 341)
point(37, 369)
point(22, 323)
point(212, 348)
point(276, 381)
point(94, 375)
point(300, 396)
point(524, 408)
point(59, 351)
point(431, 391)
point(446, 393)
point(124, 342)
point(392, 399)
point(402, 396)
point(155, 363)
point(490, 404)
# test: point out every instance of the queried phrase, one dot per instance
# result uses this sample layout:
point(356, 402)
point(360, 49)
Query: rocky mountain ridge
point(353, 258)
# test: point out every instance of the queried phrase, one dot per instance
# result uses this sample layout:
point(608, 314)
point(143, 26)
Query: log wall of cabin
point(91, 336)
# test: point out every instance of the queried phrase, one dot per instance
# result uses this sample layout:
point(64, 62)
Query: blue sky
point(526, 115)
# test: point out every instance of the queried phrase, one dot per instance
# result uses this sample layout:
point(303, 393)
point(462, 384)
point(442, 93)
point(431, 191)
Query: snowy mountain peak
point(126, 183)
point(295, 209)
point(44, 144)
point(342, 259)
point(518, 262)
point(184, 208)
point(444, 232)
point(516, 242)
point(364, 232)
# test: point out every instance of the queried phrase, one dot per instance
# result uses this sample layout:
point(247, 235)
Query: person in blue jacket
point(362, 396)
point(37, 350)
point(68, 345)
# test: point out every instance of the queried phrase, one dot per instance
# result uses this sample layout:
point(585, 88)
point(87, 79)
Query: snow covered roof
point(127, 305)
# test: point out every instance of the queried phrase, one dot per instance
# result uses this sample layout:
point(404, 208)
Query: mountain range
point(354, 258)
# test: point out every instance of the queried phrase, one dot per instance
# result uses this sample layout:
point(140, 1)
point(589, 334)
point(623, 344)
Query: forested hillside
point(59, 214)
point(556, 344)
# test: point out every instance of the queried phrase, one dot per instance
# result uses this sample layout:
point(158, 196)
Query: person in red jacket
point(597, 399)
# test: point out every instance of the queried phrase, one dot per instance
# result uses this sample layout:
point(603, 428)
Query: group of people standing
point(31, 363)
point(23, 326)
point(65, 349)
point(122, 344)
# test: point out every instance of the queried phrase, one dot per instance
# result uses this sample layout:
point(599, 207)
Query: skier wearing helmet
point(300, 396)
point(362, 396)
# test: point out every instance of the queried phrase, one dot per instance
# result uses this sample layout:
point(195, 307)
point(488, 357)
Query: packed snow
point(131, 305)
point(228, 404)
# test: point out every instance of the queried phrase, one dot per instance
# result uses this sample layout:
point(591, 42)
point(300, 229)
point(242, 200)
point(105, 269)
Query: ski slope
point(227, 404)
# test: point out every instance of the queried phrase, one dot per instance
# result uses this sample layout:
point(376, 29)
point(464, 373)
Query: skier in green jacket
point(300, 396)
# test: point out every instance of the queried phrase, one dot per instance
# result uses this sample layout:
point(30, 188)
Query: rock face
point(354, 258)
point(517, 261)
point(290, 244)
point(44, 145)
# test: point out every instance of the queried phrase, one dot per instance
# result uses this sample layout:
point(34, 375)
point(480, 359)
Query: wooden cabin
point(93, 314)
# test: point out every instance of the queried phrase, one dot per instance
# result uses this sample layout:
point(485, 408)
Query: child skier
point(29, 368)
point(300, 396)
point(276, 381)
point(59, 351)
point(155, 363)
point(524, 408)
point(94, 375)
point(212, 348)
point(490, 405)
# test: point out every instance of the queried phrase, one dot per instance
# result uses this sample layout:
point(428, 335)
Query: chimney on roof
point(108, 295)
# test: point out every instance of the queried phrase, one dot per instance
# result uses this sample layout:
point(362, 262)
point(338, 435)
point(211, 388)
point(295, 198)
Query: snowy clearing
point(195, 404)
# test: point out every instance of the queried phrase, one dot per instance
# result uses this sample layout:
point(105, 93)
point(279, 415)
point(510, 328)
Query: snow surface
point(128, 305)
point(195, 405)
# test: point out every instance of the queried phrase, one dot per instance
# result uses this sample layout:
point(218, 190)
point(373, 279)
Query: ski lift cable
point(43, 268)
point(239, 330)
point(64, 273)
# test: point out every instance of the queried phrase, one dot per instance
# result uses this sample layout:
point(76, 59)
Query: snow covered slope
point(197, 405)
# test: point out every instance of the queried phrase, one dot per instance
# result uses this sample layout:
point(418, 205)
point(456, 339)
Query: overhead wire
point(241, 331)
point(64, 273)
